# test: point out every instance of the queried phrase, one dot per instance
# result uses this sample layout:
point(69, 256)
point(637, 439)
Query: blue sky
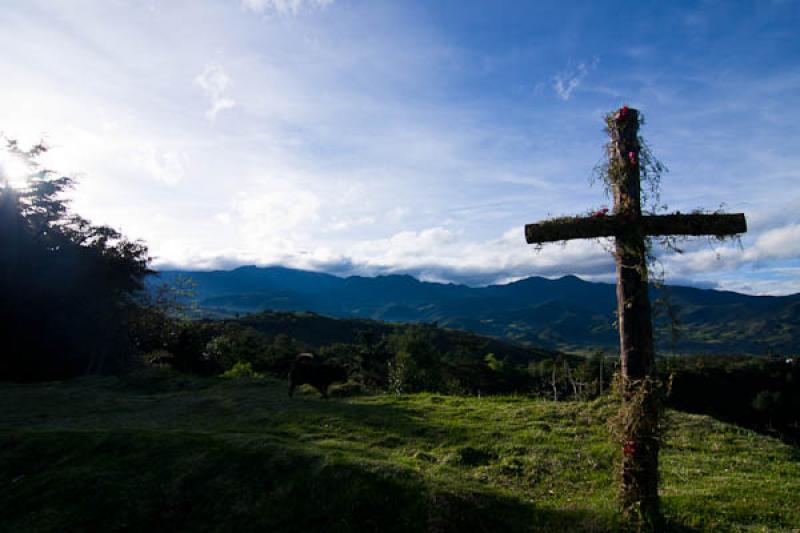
point(371, 137)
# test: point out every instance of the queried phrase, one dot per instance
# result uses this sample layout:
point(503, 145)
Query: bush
point(241, 370)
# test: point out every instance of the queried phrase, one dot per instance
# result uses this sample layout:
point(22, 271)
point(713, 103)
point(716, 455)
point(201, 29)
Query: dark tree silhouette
point(68, 287)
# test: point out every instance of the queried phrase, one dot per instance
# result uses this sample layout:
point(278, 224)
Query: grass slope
point(160, 452)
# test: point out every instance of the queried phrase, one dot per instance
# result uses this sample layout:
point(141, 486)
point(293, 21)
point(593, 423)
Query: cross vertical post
point(639, 463)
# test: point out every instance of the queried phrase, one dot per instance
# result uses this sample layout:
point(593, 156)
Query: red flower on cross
point(629, 448)
point(632, 158)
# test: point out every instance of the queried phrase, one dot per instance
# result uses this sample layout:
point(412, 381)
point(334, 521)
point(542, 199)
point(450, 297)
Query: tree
point(67, 286)
point(416, 363)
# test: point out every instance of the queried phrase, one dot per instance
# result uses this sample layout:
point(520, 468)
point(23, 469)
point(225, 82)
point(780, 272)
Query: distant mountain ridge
point(564, 313)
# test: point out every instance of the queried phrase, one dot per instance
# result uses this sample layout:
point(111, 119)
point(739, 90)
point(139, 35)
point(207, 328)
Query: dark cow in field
point(306, 369)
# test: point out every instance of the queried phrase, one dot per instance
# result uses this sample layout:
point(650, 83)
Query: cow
point(306, 369)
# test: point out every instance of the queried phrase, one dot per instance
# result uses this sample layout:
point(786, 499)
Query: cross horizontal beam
point(569, 228)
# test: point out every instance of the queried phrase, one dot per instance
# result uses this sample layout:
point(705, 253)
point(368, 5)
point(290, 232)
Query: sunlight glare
point(14, 171)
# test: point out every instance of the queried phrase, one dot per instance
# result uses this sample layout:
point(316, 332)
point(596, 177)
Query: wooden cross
point(630, 229)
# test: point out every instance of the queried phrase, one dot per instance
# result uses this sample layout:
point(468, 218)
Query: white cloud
point(778, 243)
point(709, 256)
point(440, 254)
point(284, 7)
point(766, 287)
point(278, 221)
point(215, 81)
point(165, 166)
point(564, 83)
point(345, 223)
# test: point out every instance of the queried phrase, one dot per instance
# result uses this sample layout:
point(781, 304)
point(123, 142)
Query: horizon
point(463, 284)
point(359, 138)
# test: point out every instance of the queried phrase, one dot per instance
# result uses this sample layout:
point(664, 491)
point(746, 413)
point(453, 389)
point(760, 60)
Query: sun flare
point(13, 171)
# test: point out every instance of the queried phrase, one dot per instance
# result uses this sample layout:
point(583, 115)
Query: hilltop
point(156, 451)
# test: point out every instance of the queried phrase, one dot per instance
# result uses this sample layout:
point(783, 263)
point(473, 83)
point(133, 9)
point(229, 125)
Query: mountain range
point(566, 313)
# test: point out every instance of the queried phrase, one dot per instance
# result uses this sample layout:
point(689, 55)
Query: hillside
point(566, 313)
point(315, 331)
point(161, 452)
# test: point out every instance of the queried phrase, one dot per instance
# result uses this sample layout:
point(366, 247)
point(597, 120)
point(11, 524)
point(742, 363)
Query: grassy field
point(155, 451)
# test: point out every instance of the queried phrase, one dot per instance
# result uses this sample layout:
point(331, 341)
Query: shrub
point(241, 370)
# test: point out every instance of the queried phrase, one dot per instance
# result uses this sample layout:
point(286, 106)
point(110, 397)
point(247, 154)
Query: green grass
point(156, 451)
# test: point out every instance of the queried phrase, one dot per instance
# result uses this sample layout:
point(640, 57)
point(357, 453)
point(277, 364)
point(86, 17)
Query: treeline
point(380, 356)
point(761, 393)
